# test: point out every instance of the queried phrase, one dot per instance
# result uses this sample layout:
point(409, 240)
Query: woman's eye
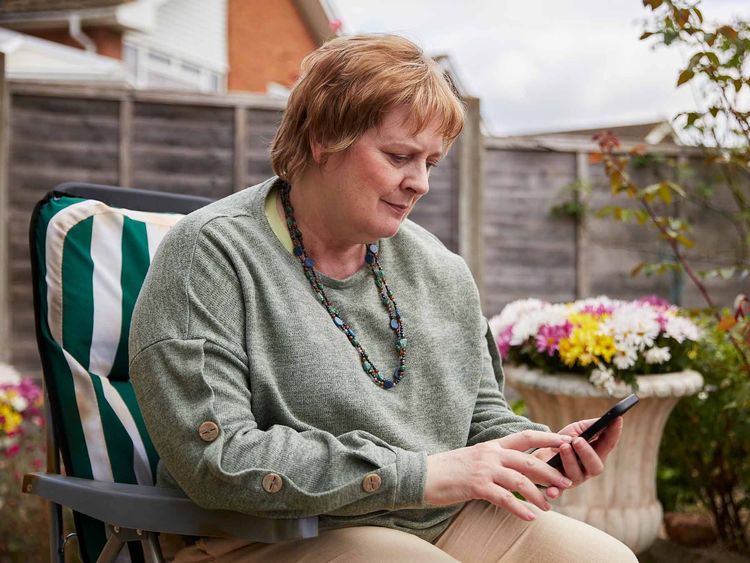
point(431, 165)
point(399, 158)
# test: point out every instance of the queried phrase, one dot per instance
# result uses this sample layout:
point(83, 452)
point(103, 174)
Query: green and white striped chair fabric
point(91, 263)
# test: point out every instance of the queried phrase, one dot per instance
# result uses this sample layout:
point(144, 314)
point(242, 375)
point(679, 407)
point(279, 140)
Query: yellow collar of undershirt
point(278, 225)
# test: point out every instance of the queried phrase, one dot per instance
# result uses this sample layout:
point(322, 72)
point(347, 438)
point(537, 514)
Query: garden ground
point(665, 551)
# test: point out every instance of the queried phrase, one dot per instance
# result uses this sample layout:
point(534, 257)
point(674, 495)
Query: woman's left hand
point(581, 460)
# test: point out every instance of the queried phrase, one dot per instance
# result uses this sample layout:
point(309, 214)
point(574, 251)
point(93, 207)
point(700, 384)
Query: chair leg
point(151, 549)
point(111, 548)
point(56, 540)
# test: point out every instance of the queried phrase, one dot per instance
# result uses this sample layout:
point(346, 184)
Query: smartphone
point(593, 431)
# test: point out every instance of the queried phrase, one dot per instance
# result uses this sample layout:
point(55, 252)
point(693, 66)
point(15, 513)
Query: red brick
point(266, 43)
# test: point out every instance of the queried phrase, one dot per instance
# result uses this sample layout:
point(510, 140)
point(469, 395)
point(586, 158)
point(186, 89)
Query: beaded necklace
point(386, 298)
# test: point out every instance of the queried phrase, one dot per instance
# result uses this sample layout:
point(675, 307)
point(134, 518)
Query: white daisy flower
point(657, 355)
point(603, 379)
point(19, 403)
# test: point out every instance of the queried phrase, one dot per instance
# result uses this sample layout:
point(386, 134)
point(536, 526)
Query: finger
point(512, 480)
point(536, 469)
point(575, 429)
point(529, 439)
point(588, 458)
point(552, 493)
point(608, 439)
point(571, 466)
point(505, 499)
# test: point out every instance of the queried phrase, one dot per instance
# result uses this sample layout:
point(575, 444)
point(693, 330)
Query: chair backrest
point(91, 247)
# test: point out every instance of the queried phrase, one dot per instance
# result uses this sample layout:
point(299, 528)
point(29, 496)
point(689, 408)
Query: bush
point(705, 452)
point(24, 524)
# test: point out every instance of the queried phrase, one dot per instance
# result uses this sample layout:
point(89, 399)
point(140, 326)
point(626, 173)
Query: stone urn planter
point(622, 501)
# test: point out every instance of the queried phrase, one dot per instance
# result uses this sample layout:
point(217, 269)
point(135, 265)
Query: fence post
point(470, 188)
point(5, 368)
point(583, 282)
point(240, 148)
point(125, 172)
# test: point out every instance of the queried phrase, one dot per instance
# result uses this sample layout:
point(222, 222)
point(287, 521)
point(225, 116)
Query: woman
point(300, 349)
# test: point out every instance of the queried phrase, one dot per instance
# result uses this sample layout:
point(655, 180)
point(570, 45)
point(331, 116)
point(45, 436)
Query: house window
point(151, 68)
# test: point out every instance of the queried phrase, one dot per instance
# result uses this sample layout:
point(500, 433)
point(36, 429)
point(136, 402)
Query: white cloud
point(542, 65)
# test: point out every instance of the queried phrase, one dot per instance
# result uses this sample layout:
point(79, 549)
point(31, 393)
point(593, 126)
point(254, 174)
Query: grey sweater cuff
point(411, 472)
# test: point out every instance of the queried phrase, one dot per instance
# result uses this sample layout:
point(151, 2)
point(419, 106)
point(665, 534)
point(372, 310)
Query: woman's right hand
point(494, 470)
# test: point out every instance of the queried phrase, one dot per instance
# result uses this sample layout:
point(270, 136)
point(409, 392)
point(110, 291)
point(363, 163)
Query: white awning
point(31, 58)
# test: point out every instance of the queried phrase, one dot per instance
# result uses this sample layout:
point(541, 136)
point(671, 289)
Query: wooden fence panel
point(614, 249)
point(183, 148)
point(53, 140)
point(717, 240)
point(437, 211)
point(261, 127)
point(528, 252)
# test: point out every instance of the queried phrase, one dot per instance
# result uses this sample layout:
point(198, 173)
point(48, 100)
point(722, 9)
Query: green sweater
point(228, 331)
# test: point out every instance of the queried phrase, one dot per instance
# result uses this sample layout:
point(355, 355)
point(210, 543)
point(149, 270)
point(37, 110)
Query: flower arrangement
point(20, 410)
point(604, 339)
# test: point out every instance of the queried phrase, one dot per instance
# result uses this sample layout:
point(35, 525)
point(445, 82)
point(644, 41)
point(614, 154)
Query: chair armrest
point(159, 509)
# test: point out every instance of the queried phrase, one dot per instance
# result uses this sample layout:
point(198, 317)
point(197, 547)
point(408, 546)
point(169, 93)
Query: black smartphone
point(593, 431)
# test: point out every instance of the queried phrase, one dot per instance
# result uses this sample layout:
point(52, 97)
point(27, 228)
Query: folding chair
point(91, 246)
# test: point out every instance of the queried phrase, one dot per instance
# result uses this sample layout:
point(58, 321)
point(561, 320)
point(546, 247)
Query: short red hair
point(348, 85)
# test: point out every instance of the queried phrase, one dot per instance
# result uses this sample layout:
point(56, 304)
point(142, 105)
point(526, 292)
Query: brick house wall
point(267, 42)
point(11, 6)
point(108, 40)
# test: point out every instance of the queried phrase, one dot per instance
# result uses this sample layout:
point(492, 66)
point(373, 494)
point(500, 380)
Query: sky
point(545, 65)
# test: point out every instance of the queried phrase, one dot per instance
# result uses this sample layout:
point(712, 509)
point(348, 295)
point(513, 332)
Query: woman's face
point(371, 187)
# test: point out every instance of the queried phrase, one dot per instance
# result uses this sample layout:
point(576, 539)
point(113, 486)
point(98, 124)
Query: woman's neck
point(334, 256)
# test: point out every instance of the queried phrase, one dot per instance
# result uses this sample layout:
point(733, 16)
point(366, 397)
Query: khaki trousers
point(480, 533)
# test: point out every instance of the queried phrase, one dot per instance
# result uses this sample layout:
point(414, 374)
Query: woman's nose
point(418, 179)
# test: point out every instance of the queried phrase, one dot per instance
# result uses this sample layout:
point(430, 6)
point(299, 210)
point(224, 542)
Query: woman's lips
point(400, 209)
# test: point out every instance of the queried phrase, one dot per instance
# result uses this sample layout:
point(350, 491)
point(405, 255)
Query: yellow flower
point(585, 344)
point(9, 418)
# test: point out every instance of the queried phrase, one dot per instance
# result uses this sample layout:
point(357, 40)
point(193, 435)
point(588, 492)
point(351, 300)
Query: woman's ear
point(318, 151)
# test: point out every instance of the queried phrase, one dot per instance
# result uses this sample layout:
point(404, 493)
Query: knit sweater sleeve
point(492, 417)
point(189, 367)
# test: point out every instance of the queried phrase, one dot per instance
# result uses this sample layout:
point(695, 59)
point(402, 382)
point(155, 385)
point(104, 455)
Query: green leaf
point(676, 189)
point(686, 242)
point(695, 58)
point(714, 111)
point(637, 270)
point(665, 194)
point(685, 76)
point(698, 14)
point(728, 31)
point(615, 181)
point(692, 117)
point(713, 58)
point(646, 35)
point(653, 4)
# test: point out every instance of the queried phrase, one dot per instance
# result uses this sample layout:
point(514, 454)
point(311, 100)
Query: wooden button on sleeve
point(371, 482)
point(272, 483)
point(208, 431)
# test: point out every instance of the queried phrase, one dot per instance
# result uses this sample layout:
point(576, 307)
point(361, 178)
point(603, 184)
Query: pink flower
point(12, 450)
point(598, 310)
point(655, 301)
point(549, 336)
point(662, 320)
point(503, 341)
